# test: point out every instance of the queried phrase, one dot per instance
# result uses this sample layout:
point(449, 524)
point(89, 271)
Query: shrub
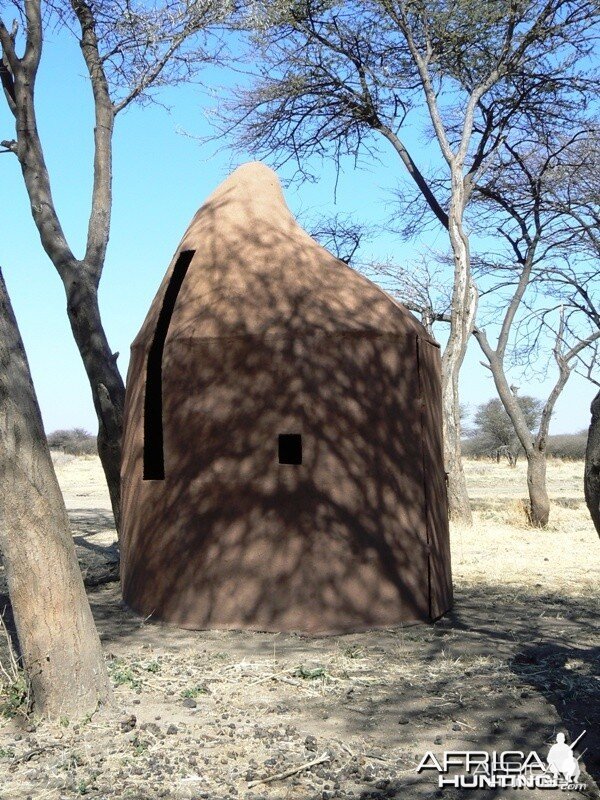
point(568, 445)
point(76, 442)
point(475, 447)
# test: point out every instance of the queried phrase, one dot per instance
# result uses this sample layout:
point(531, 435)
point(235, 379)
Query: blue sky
point(161, 177)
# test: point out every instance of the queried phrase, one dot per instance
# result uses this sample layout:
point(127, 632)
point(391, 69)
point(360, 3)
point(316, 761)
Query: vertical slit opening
point(154, 458)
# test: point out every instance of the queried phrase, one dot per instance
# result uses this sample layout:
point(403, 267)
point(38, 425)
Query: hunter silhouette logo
point(561, 759)
point(508, 769)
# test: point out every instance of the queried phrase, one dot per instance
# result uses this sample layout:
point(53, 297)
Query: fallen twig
point(466, 724)
point(37, 751)
point(374, 757)
point(288, 773)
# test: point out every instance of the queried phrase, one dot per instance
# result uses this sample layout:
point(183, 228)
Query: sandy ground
point(204, 715)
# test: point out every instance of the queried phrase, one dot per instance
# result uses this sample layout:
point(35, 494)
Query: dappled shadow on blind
point(271, 335)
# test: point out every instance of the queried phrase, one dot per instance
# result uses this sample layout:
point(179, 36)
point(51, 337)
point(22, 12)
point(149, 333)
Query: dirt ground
point(206, 714)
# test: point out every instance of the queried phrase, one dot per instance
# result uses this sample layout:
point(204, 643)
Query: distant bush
point(492, 433)
point(568, 445)
point(475, 447)
point(76, 442)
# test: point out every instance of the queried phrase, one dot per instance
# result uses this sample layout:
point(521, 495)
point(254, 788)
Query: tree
point(340, 234)
point(525, 191)
point(128, 50)
point(575, 279)
point(519, 192)
point(59, 643)
point(339, 76)
point(494, 430)
point(592, 464)
point(541, 287)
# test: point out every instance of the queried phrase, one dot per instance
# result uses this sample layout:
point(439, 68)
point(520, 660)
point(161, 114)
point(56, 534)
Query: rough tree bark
point(462, 320)
point(539, 502)
point(592, 465)
point(58, 639)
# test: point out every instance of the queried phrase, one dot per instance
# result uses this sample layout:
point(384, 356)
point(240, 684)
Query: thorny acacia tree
point(58, 639)
point(129, 48)
point(539, 292)
point(334, 76)
point(574, 281)
point(531, 170)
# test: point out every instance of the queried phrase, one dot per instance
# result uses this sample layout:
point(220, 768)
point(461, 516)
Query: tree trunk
point(539, 509)
point(535, 448)
point(458, 499)
point(80, 277)
point(108, 390)
point(462, 317)
point(591, 479)
point(57, 636)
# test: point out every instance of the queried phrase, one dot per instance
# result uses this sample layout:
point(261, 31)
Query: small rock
point(189, 702)
point(152, 727)
point(128, 723)
point(438, 740)
point(172, 730)
point(456, 727)
point(311, 744)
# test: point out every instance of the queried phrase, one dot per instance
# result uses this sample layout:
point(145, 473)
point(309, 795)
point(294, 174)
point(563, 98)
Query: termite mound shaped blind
point(267, 333)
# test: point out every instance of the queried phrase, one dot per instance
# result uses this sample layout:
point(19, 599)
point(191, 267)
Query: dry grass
point(502, 550)
point(510, 666)
point(15, 694)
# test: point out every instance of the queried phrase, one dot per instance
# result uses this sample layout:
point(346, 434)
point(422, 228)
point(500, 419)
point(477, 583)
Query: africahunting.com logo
point(508, 769)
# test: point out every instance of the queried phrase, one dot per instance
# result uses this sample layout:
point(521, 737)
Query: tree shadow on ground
point(504, 670)
point(569, 678)
point(91, 521)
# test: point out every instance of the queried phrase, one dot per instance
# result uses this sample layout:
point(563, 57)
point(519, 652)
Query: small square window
point(290, 448)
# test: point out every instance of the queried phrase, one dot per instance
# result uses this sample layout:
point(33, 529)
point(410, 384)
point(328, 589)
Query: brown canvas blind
point(282, 463)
